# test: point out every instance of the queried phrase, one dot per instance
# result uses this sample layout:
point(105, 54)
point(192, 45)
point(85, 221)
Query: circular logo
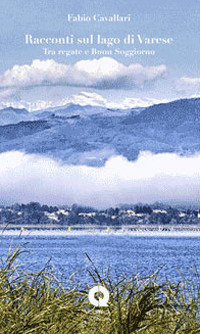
point(100, 302)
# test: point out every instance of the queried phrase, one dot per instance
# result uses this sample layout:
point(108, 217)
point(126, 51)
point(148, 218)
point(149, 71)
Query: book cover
point(100, 154)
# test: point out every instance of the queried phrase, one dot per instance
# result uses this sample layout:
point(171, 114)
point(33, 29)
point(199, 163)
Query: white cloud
point(188, 84)
point(9, 93)
point(103, 73)
point(152, 177)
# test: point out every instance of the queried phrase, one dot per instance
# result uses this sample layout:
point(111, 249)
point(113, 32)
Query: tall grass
point(37, 303)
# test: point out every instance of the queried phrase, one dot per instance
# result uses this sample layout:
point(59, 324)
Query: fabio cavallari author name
point(98, 18)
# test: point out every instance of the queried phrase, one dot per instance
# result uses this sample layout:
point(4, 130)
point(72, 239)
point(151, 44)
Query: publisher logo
point(100, 301)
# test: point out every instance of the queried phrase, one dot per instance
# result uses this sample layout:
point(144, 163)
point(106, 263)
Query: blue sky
point(178, 19)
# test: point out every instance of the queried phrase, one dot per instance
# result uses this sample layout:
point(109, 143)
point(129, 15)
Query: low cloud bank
point(153, 177)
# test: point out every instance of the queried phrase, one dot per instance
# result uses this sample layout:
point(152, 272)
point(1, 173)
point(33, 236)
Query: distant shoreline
point(133, 227)
point(134, 230)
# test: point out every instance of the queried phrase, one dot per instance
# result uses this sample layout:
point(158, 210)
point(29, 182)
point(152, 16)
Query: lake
point(128, 254)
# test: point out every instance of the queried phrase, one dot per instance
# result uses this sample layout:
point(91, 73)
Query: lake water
point(121, 253)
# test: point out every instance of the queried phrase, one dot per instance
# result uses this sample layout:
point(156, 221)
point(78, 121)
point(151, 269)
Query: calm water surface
point(122, 254)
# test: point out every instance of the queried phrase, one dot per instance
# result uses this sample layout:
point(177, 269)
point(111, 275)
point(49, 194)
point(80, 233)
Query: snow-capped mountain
point(15, 115)
point(90, 135)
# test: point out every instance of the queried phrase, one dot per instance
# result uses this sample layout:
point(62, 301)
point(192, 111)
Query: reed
point(37, 303)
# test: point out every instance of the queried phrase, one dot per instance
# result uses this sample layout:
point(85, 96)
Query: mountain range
point(90, 135)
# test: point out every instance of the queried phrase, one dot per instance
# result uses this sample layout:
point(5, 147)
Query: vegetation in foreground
point(37, 303)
